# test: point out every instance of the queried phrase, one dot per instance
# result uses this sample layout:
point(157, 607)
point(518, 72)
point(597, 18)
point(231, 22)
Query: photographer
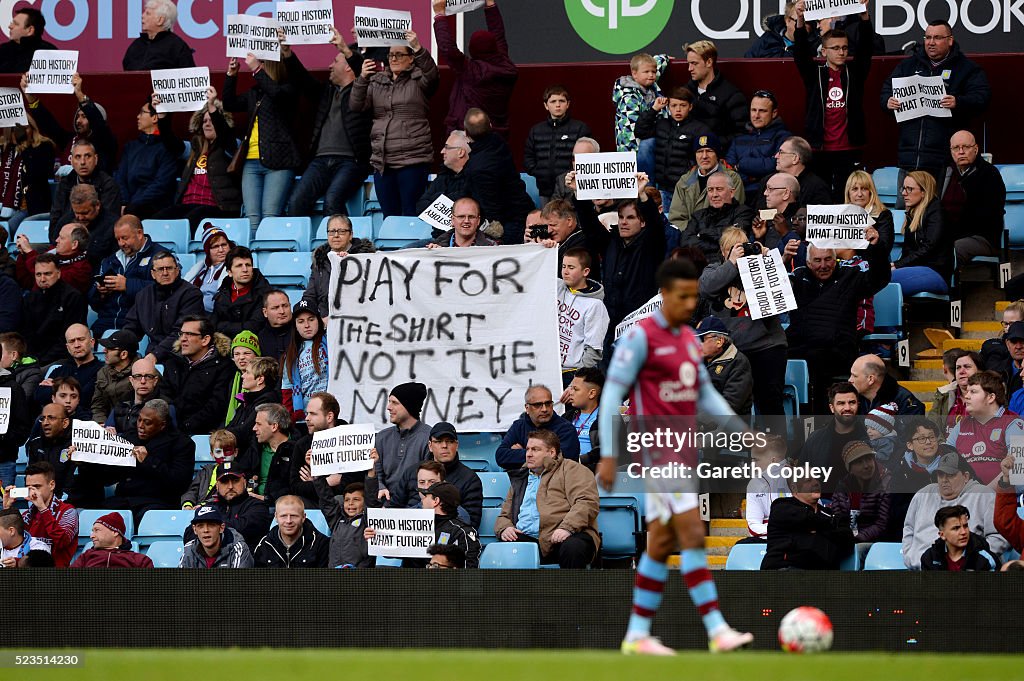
point(48, 519)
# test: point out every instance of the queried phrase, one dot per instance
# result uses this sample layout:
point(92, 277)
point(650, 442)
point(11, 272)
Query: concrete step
point(923, 390)
point(1001, 305)
point(983, 330)
point(715, 562)
point(973, 344)
point(917, 374)
point(729, 527)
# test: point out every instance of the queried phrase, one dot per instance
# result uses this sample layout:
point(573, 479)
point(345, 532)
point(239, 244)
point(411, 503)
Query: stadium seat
point(171, 234)
point(356, 205)
point(888, 313)
point(165, 554)
point(476, 465)
point(898, 216)
point(1013, 178)
point(237, 229)
point(745, 557)
point(886, 180)
point(286, 269)
point(87, 518)
point(186, 260)
point(399, 232)
point(496, 487)
point(798, 376)
point(37, 231)
point(531, 188)
point(282, 234)
point(362, 228)
point(885, 556)
point(510, 556)
point(618, 526)
point(294, 295)
point(160, 525)
point(384, 562)
point(487, 519)
point(1013, 220)
point(479, 447)
point(203, 454)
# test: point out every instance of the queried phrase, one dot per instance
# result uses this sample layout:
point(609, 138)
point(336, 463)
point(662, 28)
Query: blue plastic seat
point(479, 447)
point(1013, 221)
point(531, 188)
point(166, 554)
point(496, 486)
point(1013, 178)
point(356, 203)
point(315, 516)
point(286, 269)
point(203, 453)
point(798, 376)
point(186, 260)
point(399, 232)
point(237, 229)
point(282, 234)
point(488, 517)
point(294, 295)
point(886, 181)
point(385, 562)
point(87, 518)
point(885, 556)
point(161, 525)
point(888, 313)
point(37, 231)
point(617, 525)
point(510, 556)
point(171, 234)
point(746, 557)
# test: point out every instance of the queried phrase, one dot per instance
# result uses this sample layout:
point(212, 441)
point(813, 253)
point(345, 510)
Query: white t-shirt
point(20, 550)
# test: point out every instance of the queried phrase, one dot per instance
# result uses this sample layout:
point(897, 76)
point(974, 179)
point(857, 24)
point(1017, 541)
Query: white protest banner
point(5, 411)
point(381, 27)
point(306, 23)
point(841, 226)
point(459, 6)
point(439, 213)
point(610, 175)
point(12, 108)
point(643, 312)
point(478, 326)
point(341, 449)
point(400, 532)
point(51, 72)
point(825, 9)
point(919, 96)
point(93, 444)
point(766, 283)
point(257, 35)
point(181, 89)
point(1015, 448)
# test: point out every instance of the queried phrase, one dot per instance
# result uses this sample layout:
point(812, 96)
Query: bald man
point(876, 387)
point(52, 443)
point(144, 380)
point(83, 365)
point(973, 194)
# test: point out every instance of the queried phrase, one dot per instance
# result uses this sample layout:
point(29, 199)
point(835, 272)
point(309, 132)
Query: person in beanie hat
point(691, 192)
point(862, 497)
point(110, 547)
point(402, 446)
point(244, 347)
point(881, 426)
point(208, 273)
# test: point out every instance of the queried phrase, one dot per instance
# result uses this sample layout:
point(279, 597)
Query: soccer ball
point(805, 630)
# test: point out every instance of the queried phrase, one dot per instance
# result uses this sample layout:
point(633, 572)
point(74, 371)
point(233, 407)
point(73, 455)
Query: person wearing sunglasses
point(539, 415)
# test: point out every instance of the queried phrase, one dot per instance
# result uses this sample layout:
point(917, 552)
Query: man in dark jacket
point(973, 194)
point(706, 225)
point(922, 144)
point(276, 333)
point(149, 165)
point(196, 381)
point(495, 179)
point(835, 124)
point(674, 137)
point(144, 380)
point(83, 366)
point(113, 381)
point(159, 309)
point(26, 33)
point(340, 145)
point(728, 368)
point(876, 387)
point(165, 459)
point(823, 328)
point(549, 145)
point(539, 415)
point(49, 310)
point(752, 154)
point(88, 211)
point(52, 445)
point(238, 305)
point(157, 47)
point(19, 425)
point(451, 181)
point(720, 104)
point(803, 535)
point(242, 512)
point(958, 549)
point(89, 124)
point(84, 170)
point(794, 158)
point(824, 447)
point(294, 542)
point(124, 275)
point(449, 529)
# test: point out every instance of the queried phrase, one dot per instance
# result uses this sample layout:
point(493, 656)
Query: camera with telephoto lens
point(751, 249)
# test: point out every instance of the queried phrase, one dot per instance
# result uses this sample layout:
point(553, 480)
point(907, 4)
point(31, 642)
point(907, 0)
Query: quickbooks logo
point(618, 26)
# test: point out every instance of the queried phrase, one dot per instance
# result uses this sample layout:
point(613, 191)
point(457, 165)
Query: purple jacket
point(873, 504)
point(485, 78)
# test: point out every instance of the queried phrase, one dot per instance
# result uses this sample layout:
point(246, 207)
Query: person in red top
point(110, 549)
point(1006, 520)
point(982, 436)
point(48, 519)
point(75, 268)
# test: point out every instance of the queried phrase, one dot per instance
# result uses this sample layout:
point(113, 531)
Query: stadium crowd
point(218, 351)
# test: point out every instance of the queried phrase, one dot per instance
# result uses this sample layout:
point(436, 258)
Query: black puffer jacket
point(320, 274)
point(548, 151)
point(276, 102)
point(805, 538)
point(979, 557)
point(167, 470)
point(924, 142)
point(931, 245)
point(199, 393)
point(722, 107)
point(227, 190)
point(47, 315)
point(231, 317)
point(158, 312)
point(310, 551)
point(706, 225)
point(673, 145)
point(20, 421)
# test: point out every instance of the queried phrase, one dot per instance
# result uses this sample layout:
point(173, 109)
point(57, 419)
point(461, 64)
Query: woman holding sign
point(927, 260)
point(400, 144)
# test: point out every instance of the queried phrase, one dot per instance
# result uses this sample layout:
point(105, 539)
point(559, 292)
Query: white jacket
point(582, 325)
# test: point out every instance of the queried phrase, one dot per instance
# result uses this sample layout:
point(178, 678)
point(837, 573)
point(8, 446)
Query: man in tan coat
point(554, 502)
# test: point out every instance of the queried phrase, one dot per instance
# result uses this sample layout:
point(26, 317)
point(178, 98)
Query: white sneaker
point(729, 639)
point(648, 645)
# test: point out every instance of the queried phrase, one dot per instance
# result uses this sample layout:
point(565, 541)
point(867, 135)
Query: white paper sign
point(341, 449)
point(12, 108)
point(643, 312)
point(381, 27)
point(824, 9)
point(766, 283)
point(400, 532)
point(51, 72)
point(256, 35)
point(5, 412)
point(459, 6)
point(181, 89)
point(477, 326)
point(306, 23)
point(439, 213)
point(93, 444)
point(919, 96)
point(610, 175)
point(841, 226)
point(1015, 448)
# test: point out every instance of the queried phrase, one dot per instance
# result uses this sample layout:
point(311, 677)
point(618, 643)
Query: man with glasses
point(753, 154)
point(465, 229)
point(539, 415)
point(835, 124)
point(451, 180)
point(922, 143)
point(793, 158)
point(973, 194)
point(196, 380)
point(144, 379)
point(159, 309)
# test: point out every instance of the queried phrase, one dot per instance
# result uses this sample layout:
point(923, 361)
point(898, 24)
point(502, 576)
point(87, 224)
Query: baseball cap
point(225, 470)
point(711, 324)
point(949, 463)
point(208, 514)
point(126, 340)
point(302, 306)
point(1016, 330)
point(446, 492)
point(443, 429)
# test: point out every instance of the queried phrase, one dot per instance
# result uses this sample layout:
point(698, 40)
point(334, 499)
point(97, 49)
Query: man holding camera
point(48, 520)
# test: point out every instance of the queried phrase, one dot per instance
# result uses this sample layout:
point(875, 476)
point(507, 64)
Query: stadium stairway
point(724, 535)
